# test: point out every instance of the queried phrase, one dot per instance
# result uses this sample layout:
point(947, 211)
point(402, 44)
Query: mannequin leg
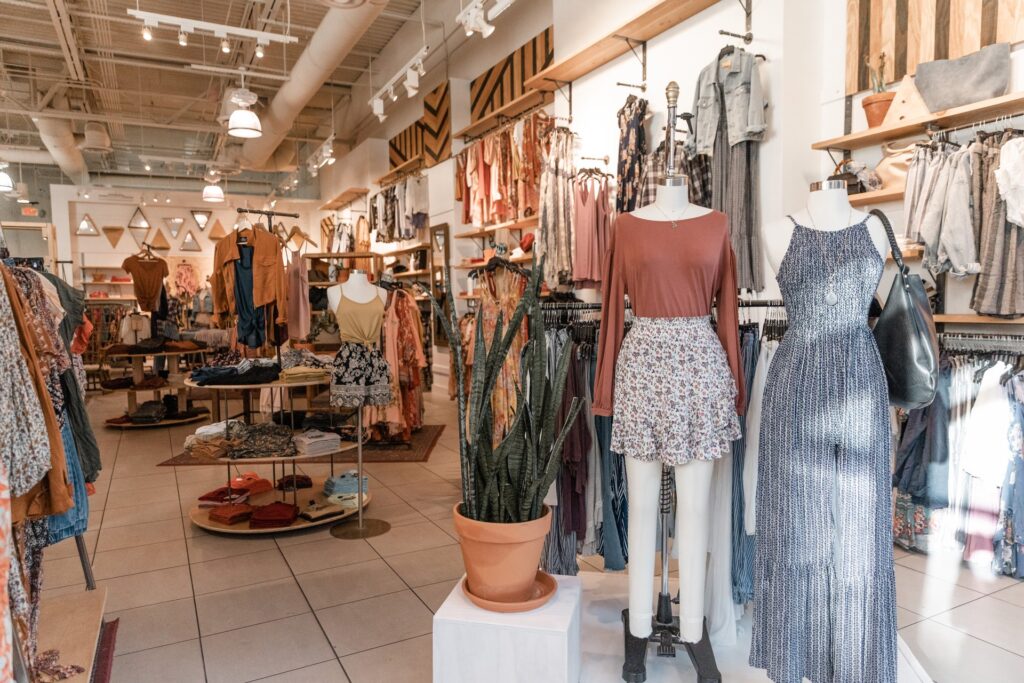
point(643, 483)
point(693, 502)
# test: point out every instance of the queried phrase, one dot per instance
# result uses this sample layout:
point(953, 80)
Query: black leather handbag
point(905, 334)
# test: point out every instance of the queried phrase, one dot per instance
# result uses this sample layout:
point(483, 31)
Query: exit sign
point(30, 211)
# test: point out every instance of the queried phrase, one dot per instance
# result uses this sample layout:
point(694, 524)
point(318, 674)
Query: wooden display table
point(138, 361)
point(221, 390)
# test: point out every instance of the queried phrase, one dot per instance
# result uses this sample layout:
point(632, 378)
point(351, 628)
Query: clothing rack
point(933, 130)
point(416, 172)
point(981, 342)
point(507, 122)
point(268, 214)
point(761, 303)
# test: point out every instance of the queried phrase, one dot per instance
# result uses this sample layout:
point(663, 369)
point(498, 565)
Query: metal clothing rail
point(981, 342)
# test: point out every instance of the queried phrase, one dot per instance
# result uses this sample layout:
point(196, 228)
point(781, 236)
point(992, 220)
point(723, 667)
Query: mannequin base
point(634, 669)
point(665, 632)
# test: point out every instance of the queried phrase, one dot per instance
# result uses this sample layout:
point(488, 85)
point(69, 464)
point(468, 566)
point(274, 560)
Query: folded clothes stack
point(148, 382)
point(223, 496)
point(252, 482)
point(248, 371)
point(314, 512)
point(315, 442)
point(295, 358)
point(216, 430)
point(294, 482)
point(213, 448)
point(263, 440)
point(300, 373)
point(231, 514)
point(346, 483)
point(273, 516)
point(150, 412)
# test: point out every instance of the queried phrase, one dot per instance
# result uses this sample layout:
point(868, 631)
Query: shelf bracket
point(748, 10)
point(641, 57)
point(564, 88)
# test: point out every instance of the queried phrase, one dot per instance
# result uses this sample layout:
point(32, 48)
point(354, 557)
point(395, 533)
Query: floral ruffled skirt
point(361, 377)
point(675, 396)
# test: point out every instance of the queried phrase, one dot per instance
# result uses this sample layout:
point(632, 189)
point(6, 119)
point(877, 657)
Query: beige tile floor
point(308, 607)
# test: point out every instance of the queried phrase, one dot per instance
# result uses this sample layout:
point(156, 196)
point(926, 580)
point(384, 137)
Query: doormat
point(418, 450)
point(104, 664)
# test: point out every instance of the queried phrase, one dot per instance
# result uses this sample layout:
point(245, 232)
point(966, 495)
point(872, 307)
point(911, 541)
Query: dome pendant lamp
point(243, 122)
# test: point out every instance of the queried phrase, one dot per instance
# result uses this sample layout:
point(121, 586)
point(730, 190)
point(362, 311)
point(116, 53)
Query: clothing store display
point(361, 375)
point(977, 76)
point(345, 484)
point(263, 440)
point(632, 150)
point(667, 273)
point(825, 610)
point(313, 442)
point(298, 301)
point(150, 412)
point(252, 322)
point(186, 280)
point(147, 279)
point(273, 516)
point(294, 483)
point(729, 86)
point(263, 263)
point(592, 223)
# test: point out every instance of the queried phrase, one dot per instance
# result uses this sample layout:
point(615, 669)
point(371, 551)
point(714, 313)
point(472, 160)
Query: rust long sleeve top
point(667, 273)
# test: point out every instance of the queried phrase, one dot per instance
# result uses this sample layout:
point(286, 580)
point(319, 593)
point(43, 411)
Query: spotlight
point(147, 33)
point(148, 167)
point(85, 195)
point(412, 82)
point(420, 69)
point(392, 94)
point(225, 46)
point(259, 50)
point(167, 200)
point(182, 39)
point(481, 24)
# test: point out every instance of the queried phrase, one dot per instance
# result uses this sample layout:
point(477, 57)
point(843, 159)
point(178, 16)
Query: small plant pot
point(502, 559)
point(876, 106)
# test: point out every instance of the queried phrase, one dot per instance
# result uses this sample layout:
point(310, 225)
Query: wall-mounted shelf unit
point(413, 274)
point(394, 174)
point(950, 118)
point(345, 198)
point(468, 297)
point(532, 99)
point(975, 319)
point(109, 299)
point(422, 246)
point(889, 194)
point(652, 22)
point(517, 226)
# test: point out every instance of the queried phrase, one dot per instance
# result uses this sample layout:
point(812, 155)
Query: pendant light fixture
point(213, 192)
point(243, 122)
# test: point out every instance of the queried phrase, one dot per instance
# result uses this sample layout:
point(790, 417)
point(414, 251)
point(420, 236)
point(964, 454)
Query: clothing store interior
point(517, 341)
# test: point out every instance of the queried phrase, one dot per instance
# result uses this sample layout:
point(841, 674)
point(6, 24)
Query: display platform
point(201, 516)
point(71, 625)
point(162, 423)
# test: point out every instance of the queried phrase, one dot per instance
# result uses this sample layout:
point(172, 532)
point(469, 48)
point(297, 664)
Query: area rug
point(104, 663)
point(419, 450)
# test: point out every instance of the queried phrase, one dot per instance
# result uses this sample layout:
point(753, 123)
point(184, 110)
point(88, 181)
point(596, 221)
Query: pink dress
point(298, 297)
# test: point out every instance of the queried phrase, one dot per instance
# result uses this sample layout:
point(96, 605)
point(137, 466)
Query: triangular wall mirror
point(113, 233)
point(190, 243)
point(174, 226)
point(86, 226)
point(138, 220)
point(202, 217)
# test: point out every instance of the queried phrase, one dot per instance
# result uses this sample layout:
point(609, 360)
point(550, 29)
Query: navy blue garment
point(212, 375)
point(743, 546)
point(1009, 538)
point(612, 545)
point(75, 520)
point(252, 321)
point(922, 460)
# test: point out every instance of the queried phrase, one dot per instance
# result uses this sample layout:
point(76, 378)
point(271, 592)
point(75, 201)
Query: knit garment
point(824, 586)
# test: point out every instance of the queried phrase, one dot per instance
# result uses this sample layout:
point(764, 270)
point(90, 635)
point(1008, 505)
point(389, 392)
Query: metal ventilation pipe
point(60, 141)
point(336, 36)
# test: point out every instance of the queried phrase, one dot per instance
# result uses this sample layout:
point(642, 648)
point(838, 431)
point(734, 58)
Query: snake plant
point(507, 483)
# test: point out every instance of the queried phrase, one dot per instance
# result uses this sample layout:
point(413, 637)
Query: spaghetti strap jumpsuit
point(824, 587)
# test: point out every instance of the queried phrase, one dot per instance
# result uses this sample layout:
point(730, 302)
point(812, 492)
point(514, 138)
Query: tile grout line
point(969, 635)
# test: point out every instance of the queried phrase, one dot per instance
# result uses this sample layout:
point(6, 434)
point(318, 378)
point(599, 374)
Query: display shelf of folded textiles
point(1006, 105)
point(221, 392)
point(518, 225)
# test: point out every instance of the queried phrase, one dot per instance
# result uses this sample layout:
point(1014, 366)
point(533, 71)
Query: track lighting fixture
point(183, 38)
point(475, 20)
point(152, 20)
point(392, 94)
point(378, 108)
point(259, 49)
point(412, 82)
point(147, 33)
point(420, 68)
point(411, 73)
point(225, 46)
point(147, 167)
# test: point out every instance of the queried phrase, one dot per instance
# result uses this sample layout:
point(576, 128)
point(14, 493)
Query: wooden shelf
point(412, 274)
point(516, 226)
point(342, 254)
point(891, 194)
point(111, 299)
point(422, 246)
point(532, 99)
point(911, 252)
point(406, 167)
point(950, 118)
point(975, 319)
point(654, 21)
point(345, 198)
point(467, 297)
point(71, 624)
point(526, 258)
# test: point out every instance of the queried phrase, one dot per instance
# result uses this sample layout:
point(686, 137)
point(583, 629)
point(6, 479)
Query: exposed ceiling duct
point(335, 37)
point(96, 138)
point(27, 156)
point(60, 140)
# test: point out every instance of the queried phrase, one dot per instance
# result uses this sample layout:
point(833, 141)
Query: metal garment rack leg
point(83, 556)
point(364, 527)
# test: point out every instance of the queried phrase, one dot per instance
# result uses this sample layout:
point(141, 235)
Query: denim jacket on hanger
point(745, 103)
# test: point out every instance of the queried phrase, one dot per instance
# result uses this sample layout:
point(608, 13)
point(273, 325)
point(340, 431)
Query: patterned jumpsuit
point(824, 587)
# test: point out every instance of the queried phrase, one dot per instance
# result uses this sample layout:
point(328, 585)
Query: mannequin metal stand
point(363, 528)
point(664, 624)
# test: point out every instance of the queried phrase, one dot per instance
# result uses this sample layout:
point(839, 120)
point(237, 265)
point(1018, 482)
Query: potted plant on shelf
point(876, 105)
point(502, 520)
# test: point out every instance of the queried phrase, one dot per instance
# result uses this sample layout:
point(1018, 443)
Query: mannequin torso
point(357, 288)
point(828, 210)
point(671, 203)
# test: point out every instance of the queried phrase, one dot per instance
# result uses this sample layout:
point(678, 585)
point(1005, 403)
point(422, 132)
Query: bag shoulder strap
point(897, 255)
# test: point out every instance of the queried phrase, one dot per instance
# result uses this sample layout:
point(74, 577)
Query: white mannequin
point(693, 489)
point(357, 288)
point(828, 209)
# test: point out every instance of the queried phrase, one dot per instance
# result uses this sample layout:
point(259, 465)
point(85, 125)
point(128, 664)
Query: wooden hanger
point(302, 237)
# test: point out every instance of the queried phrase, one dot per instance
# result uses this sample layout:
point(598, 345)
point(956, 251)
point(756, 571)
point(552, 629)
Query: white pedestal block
point(472, 645)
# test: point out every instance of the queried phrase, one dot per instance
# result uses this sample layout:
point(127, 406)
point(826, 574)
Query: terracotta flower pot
point(502, 559)
point(876, 106)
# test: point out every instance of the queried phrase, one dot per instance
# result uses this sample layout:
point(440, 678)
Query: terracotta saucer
point(544, 586)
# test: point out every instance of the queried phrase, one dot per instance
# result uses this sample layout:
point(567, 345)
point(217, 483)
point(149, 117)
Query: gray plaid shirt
point(696, 167)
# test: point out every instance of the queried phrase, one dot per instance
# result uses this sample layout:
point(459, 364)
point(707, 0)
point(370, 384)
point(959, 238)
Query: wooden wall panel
point(915, 31)
point(505, 81)
point(406, 145)
point(437, 125)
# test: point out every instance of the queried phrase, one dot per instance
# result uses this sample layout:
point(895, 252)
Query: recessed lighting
point(147, 33)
